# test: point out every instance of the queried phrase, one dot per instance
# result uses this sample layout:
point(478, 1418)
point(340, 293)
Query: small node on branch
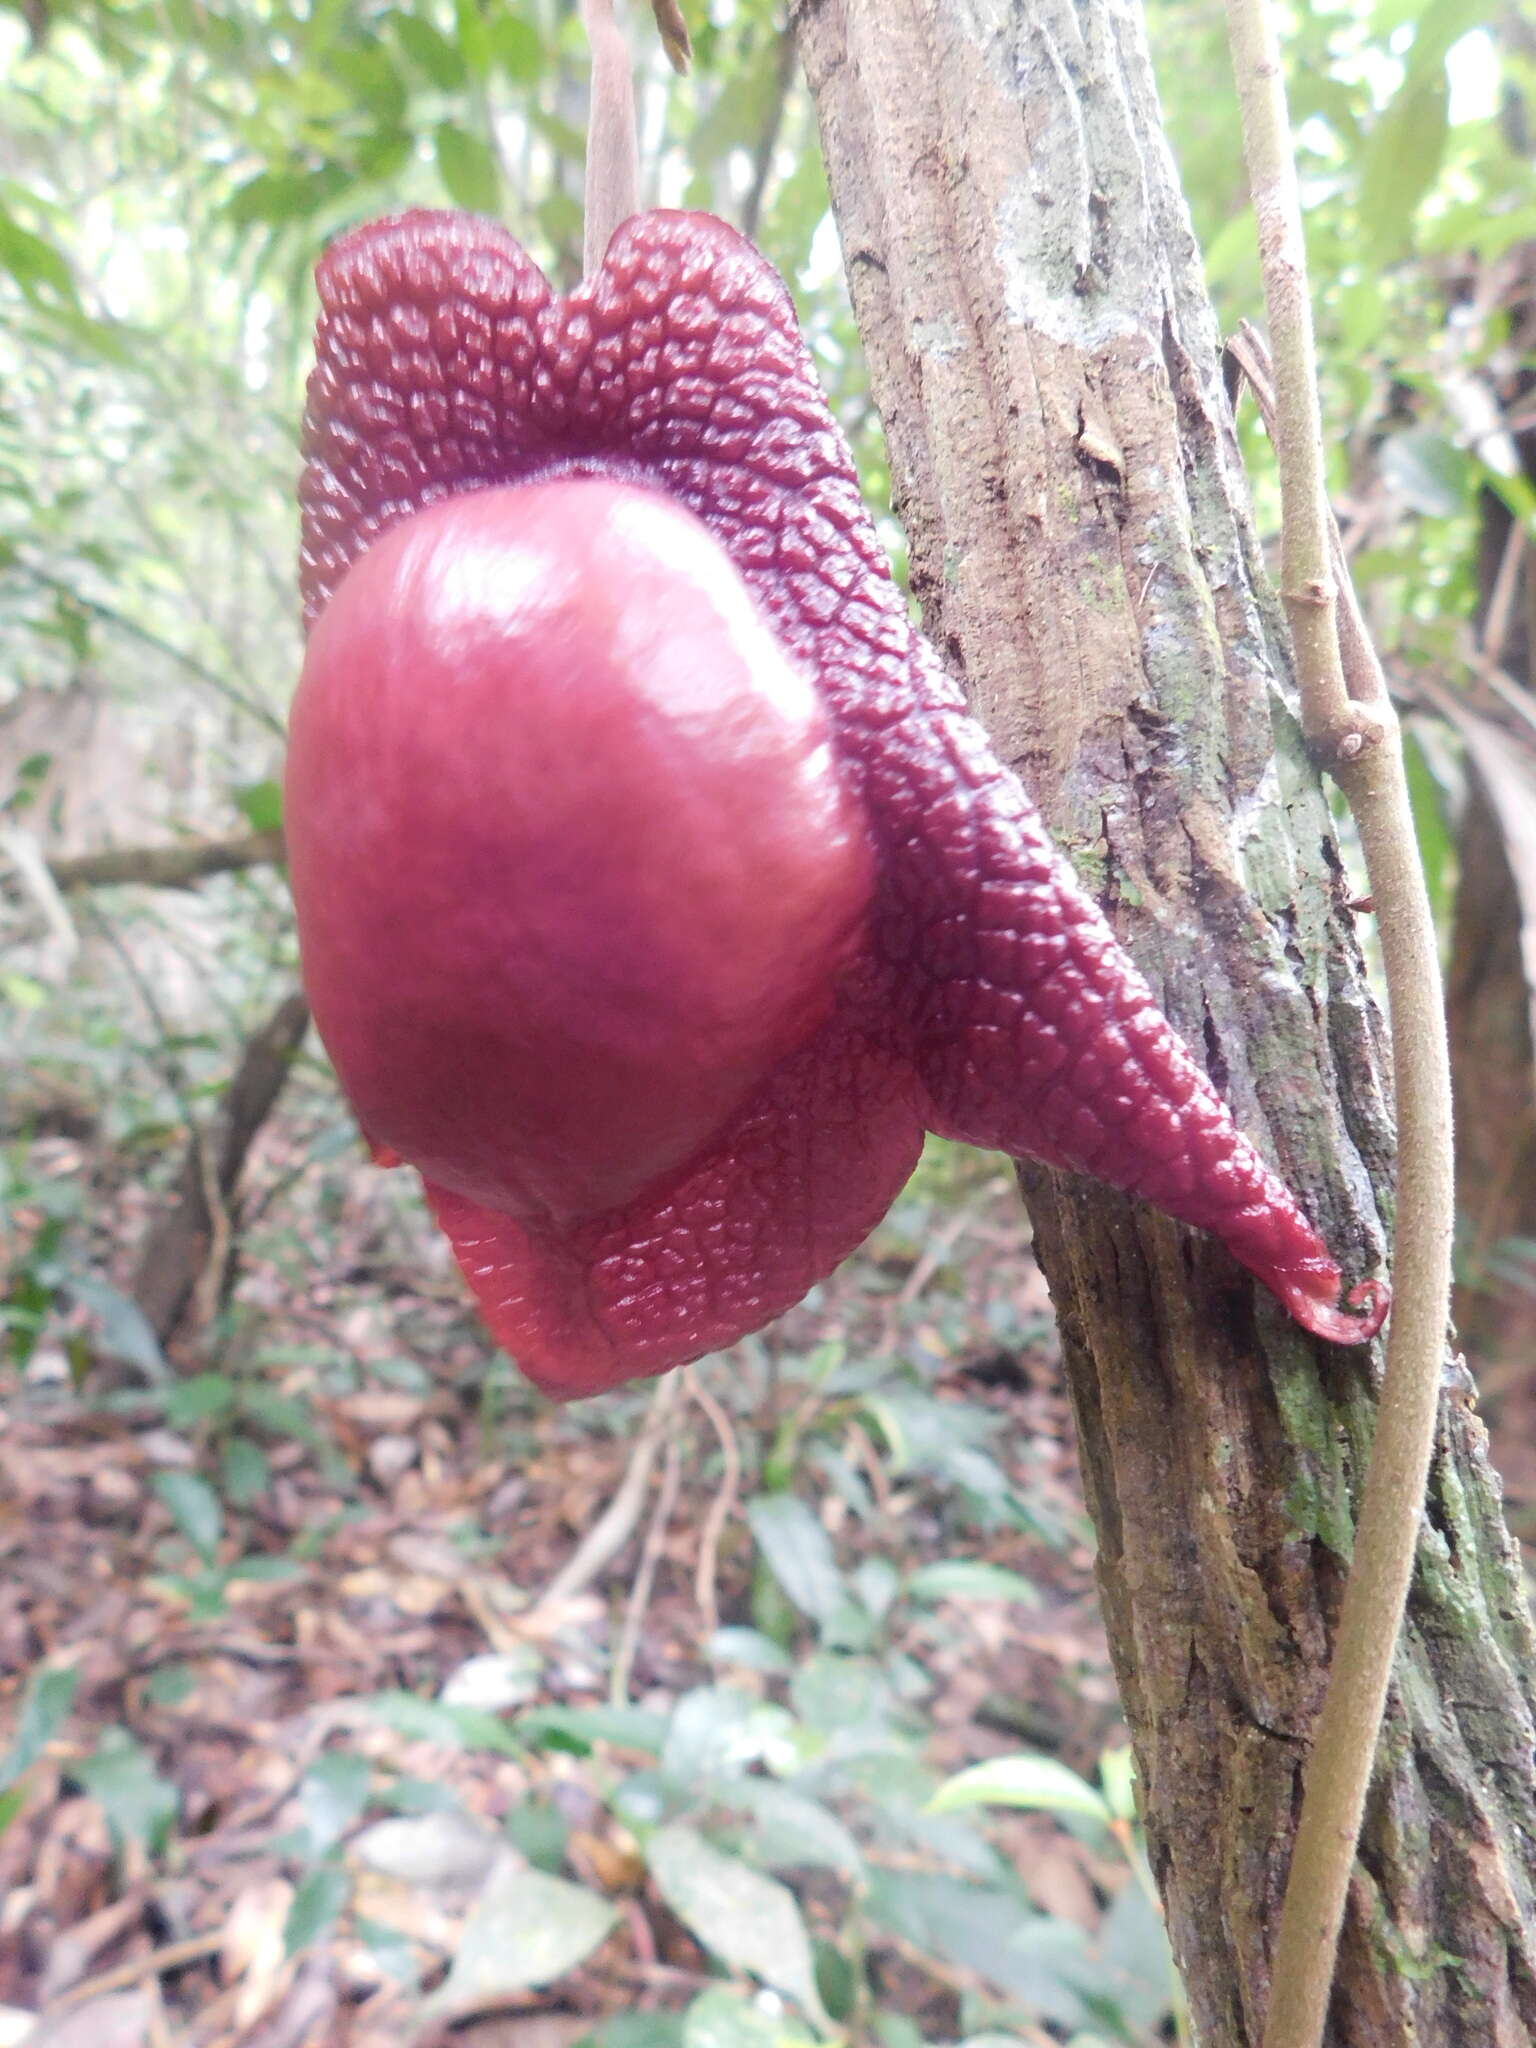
point(1340, 741)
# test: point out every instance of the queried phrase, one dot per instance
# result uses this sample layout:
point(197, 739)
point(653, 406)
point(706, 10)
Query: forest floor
point(317, 1579)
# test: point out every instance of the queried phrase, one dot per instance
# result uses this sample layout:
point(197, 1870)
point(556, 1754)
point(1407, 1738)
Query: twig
point(208, 1288)
point(613, 149)
point(617, 1523)
point(1501, 601)
point(1514, 696)
point(159, 2024)
point(645, 1575)
point(166, 867)
point(159, 1962)
point(718, 1513)
point(1360, 742)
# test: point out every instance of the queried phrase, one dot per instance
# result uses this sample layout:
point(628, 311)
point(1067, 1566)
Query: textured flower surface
point(952, 976)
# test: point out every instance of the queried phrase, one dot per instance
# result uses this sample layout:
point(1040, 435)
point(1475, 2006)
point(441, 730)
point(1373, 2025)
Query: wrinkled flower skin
point(989, 1001)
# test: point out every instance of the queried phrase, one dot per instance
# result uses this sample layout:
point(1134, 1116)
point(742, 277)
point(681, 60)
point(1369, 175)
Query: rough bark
point(1044, 358)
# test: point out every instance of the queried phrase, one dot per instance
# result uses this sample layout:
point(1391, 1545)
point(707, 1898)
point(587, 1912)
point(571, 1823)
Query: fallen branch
point(159, 1962)
point(166, 867)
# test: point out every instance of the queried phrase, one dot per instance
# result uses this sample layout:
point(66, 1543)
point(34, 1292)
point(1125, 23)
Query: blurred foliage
point(1413, 134)
point(168, 175)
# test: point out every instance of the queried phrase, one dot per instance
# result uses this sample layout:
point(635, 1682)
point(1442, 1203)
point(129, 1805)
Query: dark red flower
point(659, 988)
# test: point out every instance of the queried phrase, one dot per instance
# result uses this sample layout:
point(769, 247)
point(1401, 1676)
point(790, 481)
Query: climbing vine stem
point(1353, 731)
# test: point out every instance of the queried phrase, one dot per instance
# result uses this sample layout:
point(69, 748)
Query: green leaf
point(21, 991)
point(540, 1832)
point(125, 1332)
point(749, 1648)
point(198, 1399)
point(964, 1578)
point(50, 1695)
point(1117, 1775)
point(1441, 27)
point(989, 1930)
point(275, 198)
point(467, 167)
point(430, 1721)
point(433, 54)
point(316, 1907)
point(441, 1851)
point(580, 1727)
point(139, 1804)
point(1037, 1782)
point(171, 1684)
point(1401, 162)
point(636, 2030)
point(244, 1472)
point(1138, 1965)
point(280, 1413)
point(848, 1700)
point(799, 1553)
point(34, 263)
point(749, 1921)
point(474, 37)
point(1430, 473)
point(721, 2018)
point(333, 1793)
point(261, 804)
point(194, 1508)
point(718, 1732)
point(525, 1930)
point(790, 1832)
point(517, 48)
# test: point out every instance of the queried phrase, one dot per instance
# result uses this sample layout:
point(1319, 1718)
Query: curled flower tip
point(1371, 1302)
point(1363, 1312)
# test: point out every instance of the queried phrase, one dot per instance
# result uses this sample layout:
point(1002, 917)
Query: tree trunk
point(1045, 361)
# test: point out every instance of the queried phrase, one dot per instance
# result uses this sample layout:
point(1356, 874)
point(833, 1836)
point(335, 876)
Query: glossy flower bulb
point(573, 862)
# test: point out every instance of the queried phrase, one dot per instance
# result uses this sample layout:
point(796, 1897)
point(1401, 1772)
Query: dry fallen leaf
point(253, 1955)
point(120, 2021)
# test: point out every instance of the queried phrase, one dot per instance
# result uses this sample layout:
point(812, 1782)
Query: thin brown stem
point(613, 149)
point(618, 1521)
point(1349, 719)
point(645, 1575)
point(706, 1573)
point(1506, 588)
